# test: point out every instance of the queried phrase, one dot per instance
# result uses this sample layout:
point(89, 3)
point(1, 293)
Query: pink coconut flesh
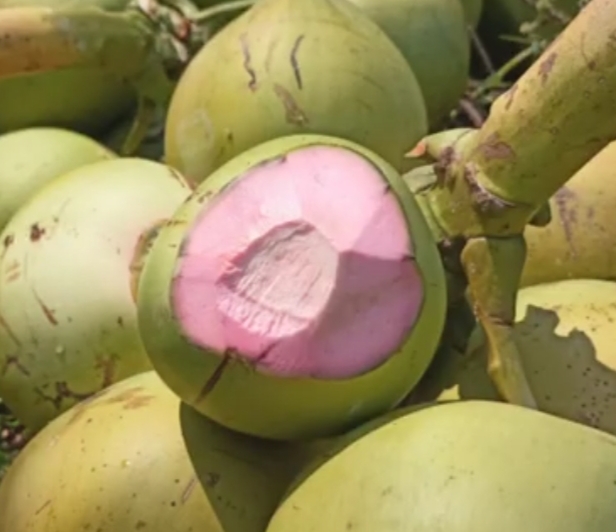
point(303, 267)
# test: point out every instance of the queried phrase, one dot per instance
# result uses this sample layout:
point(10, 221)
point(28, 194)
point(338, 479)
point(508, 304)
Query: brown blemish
point(137, 401)
point(8, 240)
point(546, 66)
point(568, 214)
point(483, 198)
point(510, 95)
point(41, 508)
point(211, 383)
point(187, 492)
point(13, 360)
point(247, 64)
point(180, 178)
point(294, 62)
point(108, 367)
point(62, 392)
point(495, 148)
point(293, 112)
point(142, 248)
point(590, 63)
point(140, 524)
point(120, 321)
point(36, 232)
point(48, 313)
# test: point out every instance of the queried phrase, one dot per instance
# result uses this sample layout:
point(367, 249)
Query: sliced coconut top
point(303, 266)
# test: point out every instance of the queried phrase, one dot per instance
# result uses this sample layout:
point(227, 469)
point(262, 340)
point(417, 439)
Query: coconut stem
point(489, 184)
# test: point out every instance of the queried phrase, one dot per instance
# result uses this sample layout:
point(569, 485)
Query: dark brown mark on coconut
point(211, 383)
point(293, 112)
point(62, 392)
point(49, 313)
point(568, 215)
point(131, 399)
point(187, 492)
point(36, 232)
point(483, 198)
point(13, 361)
point(510, 95)
point(108, 367)
point(8, 240)
point(590, 64)
point(42, 507)
point(294, 62)
point(495, 148)
point(247, 64)
point(546, 66)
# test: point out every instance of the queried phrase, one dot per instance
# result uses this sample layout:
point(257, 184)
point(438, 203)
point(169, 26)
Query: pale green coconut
point(461, 467)
point(69, 263)
point(286, 67)
point(83, 99)
point(262, 393)
point(30, 158)
point(432, 35)
point(133, 458)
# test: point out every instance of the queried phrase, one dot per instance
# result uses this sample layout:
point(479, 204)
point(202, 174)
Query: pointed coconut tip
point(303, 267)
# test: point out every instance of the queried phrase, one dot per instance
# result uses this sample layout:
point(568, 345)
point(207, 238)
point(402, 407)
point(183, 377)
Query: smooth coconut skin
point(82, 99)
point(462, 467)
point(286, 67)
point(69, 261)
point(565, 331)
point(432, 35)
point(133, 458)
point(30, 158)
point(579, 240)
point(239, 394)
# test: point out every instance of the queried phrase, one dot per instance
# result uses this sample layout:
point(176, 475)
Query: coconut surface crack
point(303, 266)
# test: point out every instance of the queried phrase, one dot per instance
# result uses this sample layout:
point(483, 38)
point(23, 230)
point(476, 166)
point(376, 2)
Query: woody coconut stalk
point(482, 190)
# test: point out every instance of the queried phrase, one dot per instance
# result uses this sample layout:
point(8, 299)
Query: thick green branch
point(548, 125)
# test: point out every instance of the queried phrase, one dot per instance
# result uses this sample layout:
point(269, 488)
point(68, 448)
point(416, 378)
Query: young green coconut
point(565, 331)
point(286, 67)
point(133, 458)
point(432, 35)
point(463, 467)
point(31, 158)
point(69, 262)
point(83, 65)
point(297, 293)
point(84, 99)
point(580, 239)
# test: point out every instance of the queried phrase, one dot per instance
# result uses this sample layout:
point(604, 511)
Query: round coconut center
point(303, 266)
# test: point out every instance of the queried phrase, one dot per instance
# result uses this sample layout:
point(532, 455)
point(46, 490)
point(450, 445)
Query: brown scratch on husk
point(293, 112)
point(546, 66)
point(294, 62)
point(247, 64)
point(211, 383)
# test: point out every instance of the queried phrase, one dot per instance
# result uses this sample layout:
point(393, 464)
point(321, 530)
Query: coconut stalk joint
point(486, 185)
